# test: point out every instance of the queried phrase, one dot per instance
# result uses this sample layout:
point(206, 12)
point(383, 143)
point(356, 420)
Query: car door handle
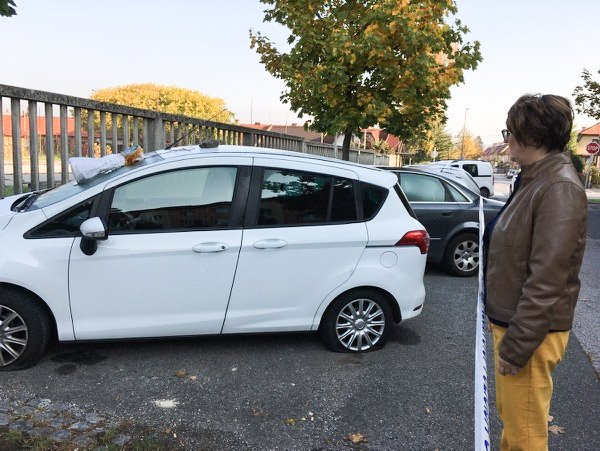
point(209, 247)
point(446, 213)
point(270, 243)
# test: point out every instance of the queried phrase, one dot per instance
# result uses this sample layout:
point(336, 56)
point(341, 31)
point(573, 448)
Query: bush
point(594, 177)
point(577, 163)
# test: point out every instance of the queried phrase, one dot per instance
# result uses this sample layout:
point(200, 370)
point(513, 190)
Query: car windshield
point(72, 188)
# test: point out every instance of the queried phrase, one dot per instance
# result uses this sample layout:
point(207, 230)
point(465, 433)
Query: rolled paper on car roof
point(84, 168)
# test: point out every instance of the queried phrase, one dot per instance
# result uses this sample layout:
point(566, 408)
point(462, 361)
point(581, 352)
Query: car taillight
point(419, 238)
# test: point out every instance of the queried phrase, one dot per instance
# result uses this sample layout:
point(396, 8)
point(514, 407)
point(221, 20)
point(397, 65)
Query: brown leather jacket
point(535, 253)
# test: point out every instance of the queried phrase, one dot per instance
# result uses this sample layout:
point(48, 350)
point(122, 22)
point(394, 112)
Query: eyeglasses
point(505, 135)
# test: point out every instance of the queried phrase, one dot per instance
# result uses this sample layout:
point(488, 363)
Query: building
point(585, 137)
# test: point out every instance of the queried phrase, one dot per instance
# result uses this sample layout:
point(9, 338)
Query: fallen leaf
point(257, 413)
point(427, 410)
point(167, 431)
point(356, 438)
point(550, 418)
point(556, 429)
point(290, 421)
point(181, 373)
point(193, 378)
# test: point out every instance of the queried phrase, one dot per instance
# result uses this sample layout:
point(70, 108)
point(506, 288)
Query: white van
point(481, 171)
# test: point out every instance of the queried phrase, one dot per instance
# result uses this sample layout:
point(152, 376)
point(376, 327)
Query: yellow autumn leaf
point(356, 438)
point(290, 421)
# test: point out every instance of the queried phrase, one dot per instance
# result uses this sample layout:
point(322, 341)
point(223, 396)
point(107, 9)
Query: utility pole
point(462, 148)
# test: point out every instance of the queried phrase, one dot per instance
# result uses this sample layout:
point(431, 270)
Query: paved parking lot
point(289, 392)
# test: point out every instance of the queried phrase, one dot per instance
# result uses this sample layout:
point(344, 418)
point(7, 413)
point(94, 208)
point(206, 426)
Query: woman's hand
point(505, 368)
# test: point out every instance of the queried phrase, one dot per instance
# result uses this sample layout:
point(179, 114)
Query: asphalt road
point(416, 393)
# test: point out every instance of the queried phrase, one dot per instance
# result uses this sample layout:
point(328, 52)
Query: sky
point(77, 47)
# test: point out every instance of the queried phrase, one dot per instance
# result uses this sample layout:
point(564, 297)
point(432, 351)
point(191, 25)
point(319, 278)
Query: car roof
point(365, 173)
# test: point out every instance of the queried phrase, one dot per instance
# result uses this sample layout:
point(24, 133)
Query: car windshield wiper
point(29, 200)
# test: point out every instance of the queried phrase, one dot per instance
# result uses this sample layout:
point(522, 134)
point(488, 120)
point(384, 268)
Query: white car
point(458, 175)
point(481, 171)
point(196, 241)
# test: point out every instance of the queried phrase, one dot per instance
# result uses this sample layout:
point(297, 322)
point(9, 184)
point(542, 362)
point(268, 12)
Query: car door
point(434, 206)
point(168, 263)
point(302, 240)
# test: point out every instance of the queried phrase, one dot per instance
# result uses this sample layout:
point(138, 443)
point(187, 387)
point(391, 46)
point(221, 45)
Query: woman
point(535, 249)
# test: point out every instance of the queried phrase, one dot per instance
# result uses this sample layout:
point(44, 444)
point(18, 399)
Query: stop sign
point(592, 148)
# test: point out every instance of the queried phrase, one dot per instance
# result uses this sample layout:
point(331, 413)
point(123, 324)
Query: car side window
point(471, 169)
point(455, 194)
point(343, 205)
point(198, 198)
point(65, 224)
point(293, 198)
point(422, 188)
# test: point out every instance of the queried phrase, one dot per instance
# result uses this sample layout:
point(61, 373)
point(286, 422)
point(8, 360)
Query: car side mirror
point(92, 230)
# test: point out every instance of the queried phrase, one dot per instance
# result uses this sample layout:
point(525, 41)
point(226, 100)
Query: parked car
point(211, 241)
point(458, 175)
point(450, 213)
point(481, 171)
point(510, 173)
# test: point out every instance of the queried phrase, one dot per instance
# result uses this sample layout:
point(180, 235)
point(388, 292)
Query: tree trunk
point(346, 146)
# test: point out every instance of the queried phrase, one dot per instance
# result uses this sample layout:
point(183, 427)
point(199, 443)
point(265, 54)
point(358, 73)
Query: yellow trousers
point(523, 400)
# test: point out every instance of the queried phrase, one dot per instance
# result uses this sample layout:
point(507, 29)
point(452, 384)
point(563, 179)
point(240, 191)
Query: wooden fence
point(45, 129)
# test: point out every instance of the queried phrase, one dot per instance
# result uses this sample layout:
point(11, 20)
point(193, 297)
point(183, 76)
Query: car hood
point(6, 214)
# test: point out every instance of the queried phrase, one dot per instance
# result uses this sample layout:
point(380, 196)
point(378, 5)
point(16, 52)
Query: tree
point(167, 99)
point(587, 97)
point(353, 64)
point(436, 138)
point(6, 8)
point(381, 146)
point(468, 148)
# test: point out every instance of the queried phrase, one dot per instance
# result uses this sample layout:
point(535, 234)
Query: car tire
point(357, 321)
point(25, 330)
point(485, 192)
point(462, 255)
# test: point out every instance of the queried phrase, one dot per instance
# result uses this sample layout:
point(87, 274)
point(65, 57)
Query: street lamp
point(462, 148)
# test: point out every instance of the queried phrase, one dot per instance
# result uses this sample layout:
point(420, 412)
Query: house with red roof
point(585, 137)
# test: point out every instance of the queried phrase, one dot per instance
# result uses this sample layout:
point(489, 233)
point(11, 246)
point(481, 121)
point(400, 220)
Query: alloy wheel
point(14, 336)
point(466, 255)
point(360, 324)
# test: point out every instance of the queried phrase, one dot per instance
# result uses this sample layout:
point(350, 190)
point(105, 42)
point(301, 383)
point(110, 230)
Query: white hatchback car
point(196, 241)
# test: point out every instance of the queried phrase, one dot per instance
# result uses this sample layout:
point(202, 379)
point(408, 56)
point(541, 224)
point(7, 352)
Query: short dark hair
point(541, 120)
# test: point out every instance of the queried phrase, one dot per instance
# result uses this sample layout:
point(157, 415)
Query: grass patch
point(10, 190)
point(593, 201)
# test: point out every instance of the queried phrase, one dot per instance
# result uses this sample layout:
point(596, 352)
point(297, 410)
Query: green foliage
point(594, 177)
point(381, 146)
point(167, 99)
point(6, 8)
point(577, 163)
point(587, 97)
point(353, 64)
point(435, 138)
